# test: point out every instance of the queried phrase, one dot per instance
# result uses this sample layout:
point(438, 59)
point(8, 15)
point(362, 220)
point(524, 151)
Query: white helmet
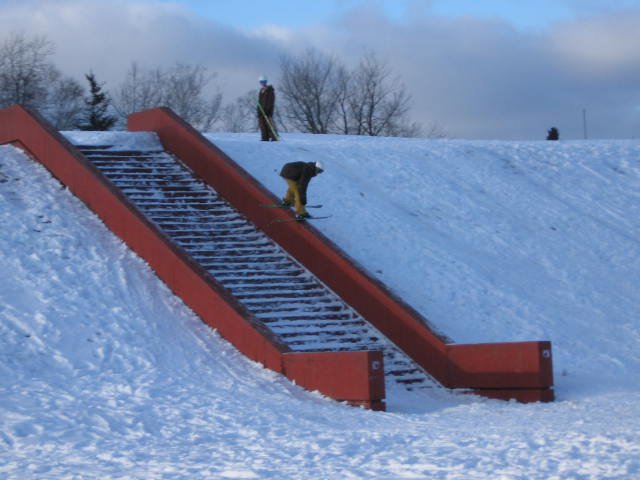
point(319, 166)
point(262, 79)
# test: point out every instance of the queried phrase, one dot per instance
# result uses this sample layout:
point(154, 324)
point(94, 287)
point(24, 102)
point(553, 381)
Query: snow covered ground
point(104, 374)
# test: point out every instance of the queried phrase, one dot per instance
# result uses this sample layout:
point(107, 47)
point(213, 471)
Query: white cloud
point(480, 78)
point(108, 36)
point(484, 78)
point(603, 45)
point(273, 32)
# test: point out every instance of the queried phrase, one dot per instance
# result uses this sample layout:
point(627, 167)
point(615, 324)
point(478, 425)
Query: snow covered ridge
point(141, 141)
point(538, 240)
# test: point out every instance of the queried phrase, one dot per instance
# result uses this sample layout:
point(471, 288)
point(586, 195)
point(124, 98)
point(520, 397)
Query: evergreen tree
point(96, 117)
point(553, 134)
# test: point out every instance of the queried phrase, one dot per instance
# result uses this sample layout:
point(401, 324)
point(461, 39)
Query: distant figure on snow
point(298, 175)
point(266, 104)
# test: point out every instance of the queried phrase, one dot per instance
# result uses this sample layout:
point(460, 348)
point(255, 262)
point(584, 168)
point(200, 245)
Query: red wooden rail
point(354, 377)
point(520, 370)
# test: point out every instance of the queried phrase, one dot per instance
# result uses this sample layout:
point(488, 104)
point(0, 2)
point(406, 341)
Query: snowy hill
point(104, 374)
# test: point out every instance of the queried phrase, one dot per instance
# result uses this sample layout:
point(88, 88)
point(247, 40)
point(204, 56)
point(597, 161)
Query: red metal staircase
point(278, 293)
point(285, 297)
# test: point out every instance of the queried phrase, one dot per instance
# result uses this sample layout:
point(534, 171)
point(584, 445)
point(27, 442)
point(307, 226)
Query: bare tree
point(309, 88)
point(29, 78)
point(181, 87)
point(240, 116)
point(65, 107)
point(343, 123)
point(140, 90)
point(379, 103)
point(25, 71)
point(433, 130)
point(320, 95)
point(184, 93)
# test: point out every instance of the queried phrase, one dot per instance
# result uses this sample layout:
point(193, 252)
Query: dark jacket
point(267, 100)
point(301, 173)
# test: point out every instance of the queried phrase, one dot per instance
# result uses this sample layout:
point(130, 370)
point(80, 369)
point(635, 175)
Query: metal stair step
point(276, 290)
point(296, 317)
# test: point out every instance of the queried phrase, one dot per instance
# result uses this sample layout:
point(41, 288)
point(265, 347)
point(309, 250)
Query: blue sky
point(486, 69)
point(295, 13)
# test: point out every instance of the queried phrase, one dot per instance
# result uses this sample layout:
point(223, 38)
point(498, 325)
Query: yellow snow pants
point(293, 197)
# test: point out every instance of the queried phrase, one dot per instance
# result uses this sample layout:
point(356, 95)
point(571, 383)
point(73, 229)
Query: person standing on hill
point(266, 104)
point(298, 175)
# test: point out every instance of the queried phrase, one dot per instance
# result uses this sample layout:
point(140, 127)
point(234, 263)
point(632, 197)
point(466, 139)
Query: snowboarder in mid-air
point(298, 175)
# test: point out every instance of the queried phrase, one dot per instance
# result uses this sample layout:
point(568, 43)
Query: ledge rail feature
point(351, 376)
point(515, 370)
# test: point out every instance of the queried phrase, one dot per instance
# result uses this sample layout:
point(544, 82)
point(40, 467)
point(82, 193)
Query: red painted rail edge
point(519, 370)
point(345, 377)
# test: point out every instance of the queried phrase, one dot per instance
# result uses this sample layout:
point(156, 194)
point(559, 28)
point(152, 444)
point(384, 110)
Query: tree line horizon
point(316, 93)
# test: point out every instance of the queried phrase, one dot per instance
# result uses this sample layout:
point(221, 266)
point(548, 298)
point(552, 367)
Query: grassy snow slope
point(104, 374)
